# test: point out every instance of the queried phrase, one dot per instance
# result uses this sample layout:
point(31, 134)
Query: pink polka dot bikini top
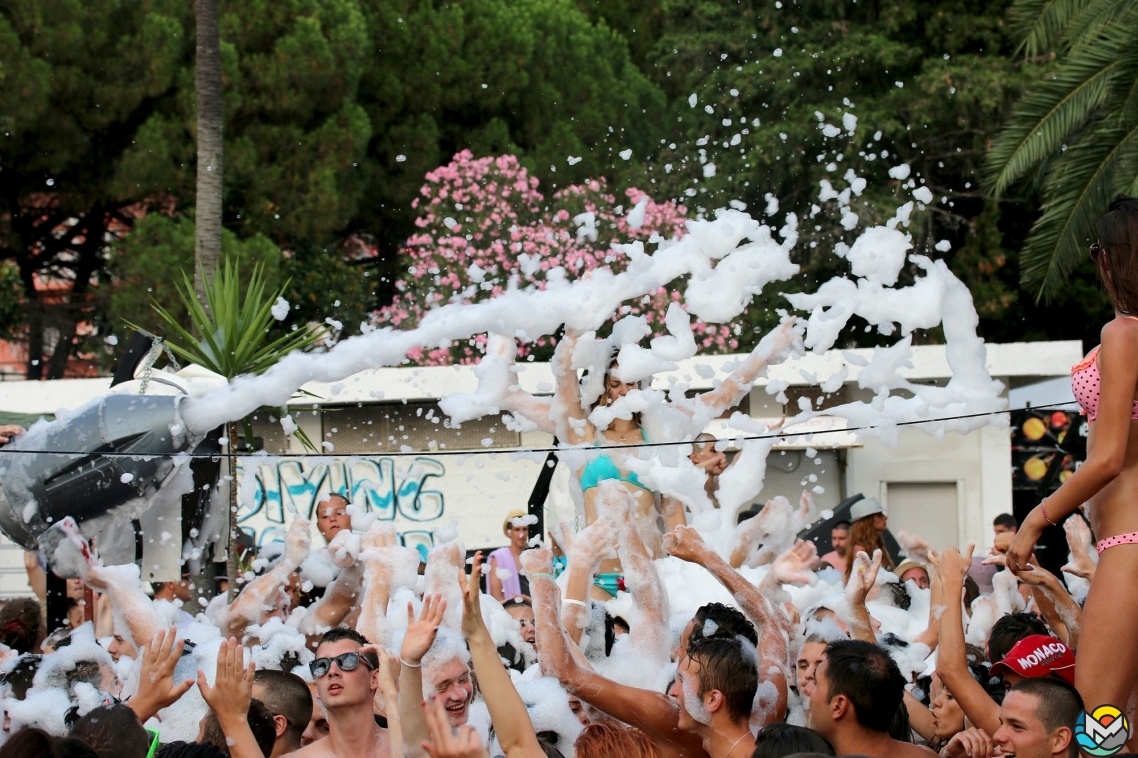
point(1086, 385)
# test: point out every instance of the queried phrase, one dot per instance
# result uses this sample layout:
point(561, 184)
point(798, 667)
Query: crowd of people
point(635, 634)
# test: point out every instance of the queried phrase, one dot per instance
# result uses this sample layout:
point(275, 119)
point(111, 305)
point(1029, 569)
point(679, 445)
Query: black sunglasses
point(346, 662)
point(1096, 251)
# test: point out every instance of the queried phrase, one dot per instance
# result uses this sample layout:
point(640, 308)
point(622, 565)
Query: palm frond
point(1078, 191)
point(1041, 24)
point(1046, 117)
point(1098, 18)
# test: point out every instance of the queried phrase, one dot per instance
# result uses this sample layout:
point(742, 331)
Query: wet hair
point(1009, 630)
point(778, 740)
point(70, 747)
point(899, 728)
point(113, 731)
point(899, 594)
point(609, 739)
point(1006, 520)
point(868, 678)
point(30, 741)
point(727, 665)
point(1057, 704)
point(21, 624)
point(287, 695)
point(260, 723)
point(20, 677)
point(1117, 232)
point(342, 633)
point(971, 591)
point(728, 621)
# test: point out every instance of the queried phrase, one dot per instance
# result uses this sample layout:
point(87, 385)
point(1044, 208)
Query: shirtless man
point(347, 674)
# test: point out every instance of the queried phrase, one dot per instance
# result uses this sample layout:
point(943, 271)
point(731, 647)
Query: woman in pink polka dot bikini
point(1106, 384)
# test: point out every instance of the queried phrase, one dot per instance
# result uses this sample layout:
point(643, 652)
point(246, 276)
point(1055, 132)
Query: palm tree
point(1075, 133)
point(234, 338)
point(207, 76)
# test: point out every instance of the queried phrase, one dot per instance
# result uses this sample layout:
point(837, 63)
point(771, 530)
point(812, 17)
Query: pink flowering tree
point(484, 226)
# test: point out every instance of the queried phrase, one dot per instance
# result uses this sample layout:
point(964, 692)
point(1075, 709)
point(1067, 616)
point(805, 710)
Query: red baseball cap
point(1039, 655)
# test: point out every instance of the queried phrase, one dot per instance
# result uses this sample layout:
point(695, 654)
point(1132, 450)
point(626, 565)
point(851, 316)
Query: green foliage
point(1074, 135)
point(148, 263)
point(323, 283)
point(233, 325)
point(11, 301)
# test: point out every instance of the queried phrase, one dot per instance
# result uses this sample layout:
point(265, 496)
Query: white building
point(392, 448)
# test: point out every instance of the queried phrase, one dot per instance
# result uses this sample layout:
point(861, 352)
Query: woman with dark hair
point(869, 521)
point(30, 742)
point(22, 626)
point(1105, 384)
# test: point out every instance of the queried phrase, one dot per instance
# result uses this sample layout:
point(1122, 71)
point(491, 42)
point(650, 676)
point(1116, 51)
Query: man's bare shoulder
point(322, 748)
point(909, 750)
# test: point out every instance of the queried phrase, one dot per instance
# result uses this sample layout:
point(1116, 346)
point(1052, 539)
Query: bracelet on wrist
point(571, 601)
point(1043, 507)
point(543, 575)
point(418, 665)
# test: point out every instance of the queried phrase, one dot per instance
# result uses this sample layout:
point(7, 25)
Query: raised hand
point(446, 742)
point(592, 544)
point(805, 505)
point(232, 688)
point(8, 432)
point(472, 622)
point(539, 561)
point(421, 631)
point(794, 566)
point(916, 547)
point(863, 576)
point(954, 566)
point(1079, 542)
point(345, 548)
point(685, 543)
point(156, 686)
point(298, 542)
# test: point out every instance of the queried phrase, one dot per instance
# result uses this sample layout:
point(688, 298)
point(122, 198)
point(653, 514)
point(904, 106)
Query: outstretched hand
point(537, 561)
point(447, 742)
point(156, 686)
point(298, 542)
point(591, 544)
point(421, 631)
point(794, 566)
point(472, 622)
point(1079, 542)
point(232, 688)
point(954, 566)
point(685, 543)
point(863, 576)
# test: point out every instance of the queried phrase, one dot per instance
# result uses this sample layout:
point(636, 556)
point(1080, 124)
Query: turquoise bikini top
point(602, 467)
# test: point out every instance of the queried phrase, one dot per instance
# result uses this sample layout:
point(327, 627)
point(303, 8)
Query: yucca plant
point(234, 338)
point(1075, 133)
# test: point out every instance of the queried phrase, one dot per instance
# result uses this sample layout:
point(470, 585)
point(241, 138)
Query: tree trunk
point(207, 249)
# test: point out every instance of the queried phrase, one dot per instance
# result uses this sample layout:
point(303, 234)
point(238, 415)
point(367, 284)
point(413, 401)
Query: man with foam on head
point(288, 700)
point(715, 688)
point(1037, 719)
point(347, 678)
point(858, 689)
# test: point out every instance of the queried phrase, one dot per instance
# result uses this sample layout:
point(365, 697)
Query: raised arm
point(387, 567)
point(651, 632)
point(931, 635)
point(572, 421)
point(342, 595)
point(247, 607)
point(229, 698)
point(1059, 609)
point(584, 551)
point(156, 686)
point(861, 581)
point(772, 349)
point(652, 712)
point(758, 605)
point(129, 603)
point(508, 713)
point(416, 642)
point(498, 389)
point(952, 661)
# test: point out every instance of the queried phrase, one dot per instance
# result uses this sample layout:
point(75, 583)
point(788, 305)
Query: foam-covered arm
point(568, 392)
point(951, 660)
point(508, 713)
point(417, 641)
point(387, 567)
point(1058, 608)
point(338, 600)
point(584, 551)
point(247, 607)
point(772, 349)
point(649, 711)
point(130, 606)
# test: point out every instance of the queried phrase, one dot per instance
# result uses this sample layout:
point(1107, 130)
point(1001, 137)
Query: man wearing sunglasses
point(347, 677)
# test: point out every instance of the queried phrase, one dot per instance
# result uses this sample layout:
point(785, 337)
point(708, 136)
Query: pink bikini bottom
point(1130, 538)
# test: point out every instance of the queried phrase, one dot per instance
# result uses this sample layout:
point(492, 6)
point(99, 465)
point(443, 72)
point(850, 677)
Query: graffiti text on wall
point(385, 487)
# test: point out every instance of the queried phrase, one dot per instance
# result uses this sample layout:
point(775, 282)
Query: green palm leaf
point(1042, 24)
